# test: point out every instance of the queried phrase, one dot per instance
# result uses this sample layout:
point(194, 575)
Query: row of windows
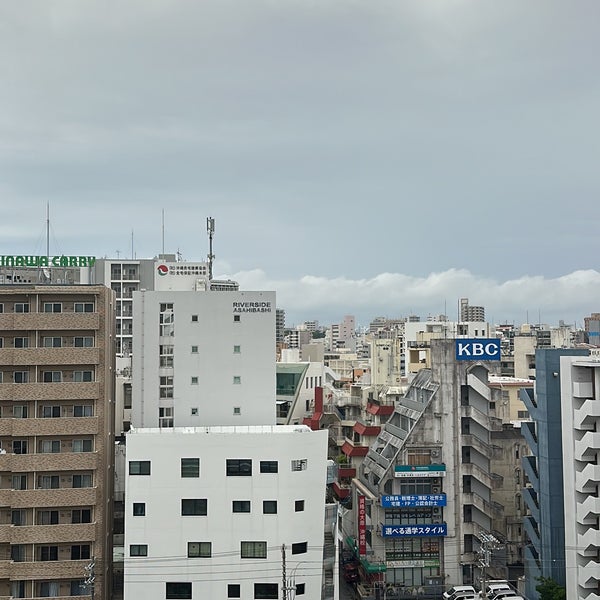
point(199, 507)
point(250, 549)
point(50, 377)
point(182, 590)
point(65, 516)
point(19, 552)
point(234, 467)
point(21, 411)
point(86, 341)
point(53, 307)
point(53, 482)
point(53, 446)
point(48, 589)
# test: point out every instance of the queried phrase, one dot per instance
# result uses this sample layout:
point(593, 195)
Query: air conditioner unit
point(435, 481)
point(435, 490)
point(436, 510)
point(435, 453)
point(436, 519)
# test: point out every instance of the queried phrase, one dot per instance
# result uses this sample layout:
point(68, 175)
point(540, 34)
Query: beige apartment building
point(56, 440)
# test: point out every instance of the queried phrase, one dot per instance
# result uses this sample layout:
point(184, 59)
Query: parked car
point(459, 591)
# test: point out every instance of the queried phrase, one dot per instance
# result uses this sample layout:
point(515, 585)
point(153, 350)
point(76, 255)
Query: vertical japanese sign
point(362, 526)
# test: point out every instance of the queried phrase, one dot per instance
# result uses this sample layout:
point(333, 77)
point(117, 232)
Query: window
point(138, 550)
point(237, 410)
point(190, 467)
point(254, 549)
point(165, 416)
point(1, 342)
point(49, 589)
point(19, 482)
point(166, 355)
point(194, 411)
point(81, 307)
point(82, 481)
point(52, 376)
point(18, 517)
point(50, 446)
point(21, 377)
point(80, 551)
point(20, 411)
point(237, 379)
point(236, 318)
point(82, 446)
point(166, 320)
point(239, 467)
point(241, 506)
point(199, 549)
point(19, 446)
point(266, 591)
point(80, 376)
point(234, 590)
point(270, 507)
point(79, 587)
point(48, 482)
point(52, 307)
point(268, 466)
point(165, 386)
point(237, 349)
point(194, 349)
point(139, 509)
point(52, 342)
point(139, 467)
point(300, 589)
point(179, 590)
point(83, 410)
point(299, 505)
point(194, 380)
point(197, 507)
point(17, 552)
point(47, 517)
point(300, 548)
point(50, 412)
point(21, 307)
point(299, 465)
point(81, 515)
point(83, 342)
point(48, 553)
point(21, 342)
point(194, 318)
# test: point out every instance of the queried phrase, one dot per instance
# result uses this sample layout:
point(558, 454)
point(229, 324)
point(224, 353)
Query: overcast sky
point(368, 157)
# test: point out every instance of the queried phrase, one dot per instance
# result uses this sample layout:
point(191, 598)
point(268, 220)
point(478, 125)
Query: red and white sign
point(362, 526)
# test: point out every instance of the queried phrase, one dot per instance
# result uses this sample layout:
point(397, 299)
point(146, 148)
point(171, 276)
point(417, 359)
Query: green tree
point(550, 590)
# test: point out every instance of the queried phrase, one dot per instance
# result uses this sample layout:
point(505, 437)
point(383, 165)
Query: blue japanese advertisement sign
point(478, 349)
point(413, 500)
point(437, 529)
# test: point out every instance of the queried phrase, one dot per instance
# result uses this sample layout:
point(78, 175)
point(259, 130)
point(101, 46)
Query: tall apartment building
point(57, 440)
point(471, 313)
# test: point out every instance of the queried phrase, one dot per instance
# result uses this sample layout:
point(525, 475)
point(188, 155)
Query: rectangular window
point(194, 318)
point(50, 412)
point(234, 590)
point(236, 318)
point(237, 349)
point(299, 505)
point(78, 587)
point(195, 507)
point(299, 465)
point(80, 552)
point(50, 446)
point(82, 446)
point(82, 481)
point(237, 410)
point(52, 307)
point(17, 553)
point(52, 376)
point(268, 466)
point(139, 509)
point(241, 506)
point(190, 467)
point(18, 517)
point(21, 377)
point(300, 589)
point(166, 355)
point(21, 342)
point(83, 410)
point(194, 349)
point(19, 446)
point(52, 342)
point(194, 380)
point(81, 515)
point(20, 411)
point(47, 517)
point(21, 307)
point(49, 589)
point(86, 341)
point(178, 590)
point(80, 376)
point(83, 307)
point(48, 553)
point(199, 549)
point(48, 482)
point(270, 507)
point(165, 416)
point(253, 550)
point(266, 591)
point(139, 467)
point(239, 467)
point(165, 386)
point(237, 379)
point(300, 548)
point(19, 482)
point(138, 550)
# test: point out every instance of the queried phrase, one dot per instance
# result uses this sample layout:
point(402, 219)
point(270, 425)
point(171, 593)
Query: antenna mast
point(48, 229)
point(210, 228)
point(163, 231)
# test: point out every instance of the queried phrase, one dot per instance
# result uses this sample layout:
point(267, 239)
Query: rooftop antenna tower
point(48, 229)
point(210, 228)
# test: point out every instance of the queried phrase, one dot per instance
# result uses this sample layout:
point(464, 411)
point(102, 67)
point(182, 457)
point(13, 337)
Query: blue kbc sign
point(478, 349)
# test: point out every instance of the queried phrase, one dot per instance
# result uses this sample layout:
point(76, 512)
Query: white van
point(459, 591)
point(495, 586)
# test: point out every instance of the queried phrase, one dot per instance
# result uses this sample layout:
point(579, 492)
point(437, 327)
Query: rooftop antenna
point(163, 230)
point(210, 228)
point(48, 229)
point(132, 244)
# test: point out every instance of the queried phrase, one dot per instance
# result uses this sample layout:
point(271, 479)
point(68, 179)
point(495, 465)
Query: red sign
point(362, 526)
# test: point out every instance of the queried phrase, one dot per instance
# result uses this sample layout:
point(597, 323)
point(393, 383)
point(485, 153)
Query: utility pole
point(287, 584)
point(210, 228)
point(90, 577)
point(489, 543)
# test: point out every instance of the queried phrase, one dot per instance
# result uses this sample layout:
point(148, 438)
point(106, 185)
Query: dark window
point(241, 506)
point(52, 376)
point(139, 509)
point(80, 552)
point(194, 507)
point(139, 467)
point(82, 481)
point(81, 515)
point(190, 467)
point(79, 587)
point(270, 507)
point(239, 467)
point(194, 318)
point(234, 590)
point(49, 553)
point(138, 550)
point(268, 466)
point(266, 591)
point(50, 412)
point(19, 446)
point(254, 549)
point(50, 307)
point(199, 549)
point(83, 410)
point(300, 589)
point(179, 590)
point(84, 307)
point(300, 548)
point(21, 307)
point(236, 318)
point(299, 505)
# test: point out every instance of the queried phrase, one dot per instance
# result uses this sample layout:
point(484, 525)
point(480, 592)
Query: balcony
point(52, 461)
point(350, 449)
point(341, 490)
point(51, 569)
point(51, 427)
point(67, 496)
point(48, 534)
point(45, 356)
point(346, 472)
point(48, 321)
point(49, 391)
